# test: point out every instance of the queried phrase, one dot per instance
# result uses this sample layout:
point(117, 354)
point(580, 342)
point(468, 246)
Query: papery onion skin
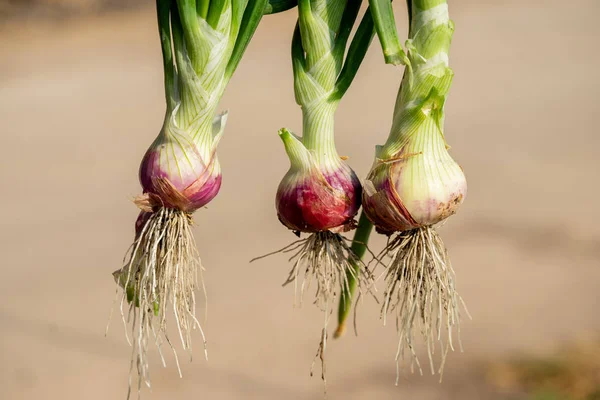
point(311, 201)
point(192, 182)
point(421, 190)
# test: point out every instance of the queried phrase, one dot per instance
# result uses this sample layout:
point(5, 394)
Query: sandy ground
point(81, 100)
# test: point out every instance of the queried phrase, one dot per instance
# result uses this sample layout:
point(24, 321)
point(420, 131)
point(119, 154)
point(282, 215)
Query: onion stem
point(321, 75)
point(359, 248)
point(346, 25)
point(356, 54)
point(164, 29)
point(277, 6)
point(202, 7)
point(191, 28)
point(214, 12)
point(385, 24)
point(251, 17)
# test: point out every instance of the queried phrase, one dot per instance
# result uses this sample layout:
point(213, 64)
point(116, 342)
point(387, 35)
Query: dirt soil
point(81, 100)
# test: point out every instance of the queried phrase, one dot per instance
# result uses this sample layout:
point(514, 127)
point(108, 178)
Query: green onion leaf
point(356, 54)
point(214, 12)
point(164, 30)
point(252, 15)
point(277, 6)
point(359, 247)
point(385, 24)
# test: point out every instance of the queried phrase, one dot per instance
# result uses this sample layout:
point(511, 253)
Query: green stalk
point(321, 76)
point(316, 67)
point(356, 54)
point(178, 44)
point(346, 25)
point(163, 9)
point(251, 17)
point(187, 110)
point(385, 24)
point(202, 7)
point(191, 30)
point(359, 247)
point(214, 12)
point(209, 39)
point(425, 85)
point(277, 6)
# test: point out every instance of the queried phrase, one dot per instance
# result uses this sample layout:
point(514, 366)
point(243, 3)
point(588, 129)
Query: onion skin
point(180, 171)
point(185, 183)
point(312, 201)
point(420, 189)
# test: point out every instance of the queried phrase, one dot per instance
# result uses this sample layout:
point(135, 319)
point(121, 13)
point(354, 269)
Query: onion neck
point(318, 133)
point(317, 61)
point(427, 78)
point(201, 54)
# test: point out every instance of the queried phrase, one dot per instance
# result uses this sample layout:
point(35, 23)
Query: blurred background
point(81, 98)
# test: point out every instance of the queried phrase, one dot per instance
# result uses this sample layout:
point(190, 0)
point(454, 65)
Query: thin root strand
point(160, 276)
point(324, 257)
point(420, 288)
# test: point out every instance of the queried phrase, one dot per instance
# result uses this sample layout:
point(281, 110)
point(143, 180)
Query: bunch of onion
point(202, 44)
point(320, 194)
point(414, 184)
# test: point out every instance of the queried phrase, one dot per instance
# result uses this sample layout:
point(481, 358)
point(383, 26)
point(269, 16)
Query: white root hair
point(420, 288)
point(324, 257)
point(160, 276)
